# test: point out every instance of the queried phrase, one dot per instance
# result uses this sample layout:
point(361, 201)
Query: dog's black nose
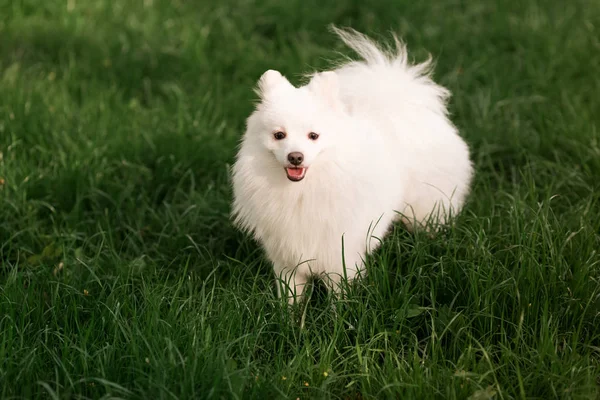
point(296, 158)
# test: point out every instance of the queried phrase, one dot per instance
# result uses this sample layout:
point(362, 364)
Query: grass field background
point(122, 276)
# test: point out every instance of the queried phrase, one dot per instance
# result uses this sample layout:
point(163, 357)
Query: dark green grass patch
point(122, 276)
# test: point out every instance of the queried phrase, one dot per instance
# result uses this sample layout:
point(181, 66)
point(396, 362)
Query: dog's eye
point(313, 136)
point(279, 135)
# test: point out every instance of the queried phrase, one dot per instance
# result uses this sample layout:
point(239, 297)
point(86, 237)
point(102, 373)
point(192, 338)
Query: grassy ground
point(121, 275)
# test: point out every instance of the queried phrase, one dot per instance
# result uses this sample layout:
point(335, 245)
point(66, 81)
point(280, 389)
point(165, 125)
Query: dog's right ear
point(269, 81)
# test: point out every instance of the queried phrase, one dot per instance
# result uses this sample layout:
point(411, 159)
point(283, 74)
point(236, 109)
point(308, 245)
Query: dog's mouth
point(295, 174)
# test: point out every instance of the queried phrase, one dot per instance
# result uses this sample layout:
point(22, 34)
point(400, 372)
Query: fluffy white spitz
point(332, 164)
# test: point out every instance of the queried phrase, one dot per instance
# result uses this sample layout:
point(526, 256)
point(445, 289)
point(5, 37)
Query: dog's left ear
point(326, 86)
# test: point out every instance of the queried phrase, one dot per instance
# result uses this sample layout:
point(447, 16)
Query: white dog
point(331, 165)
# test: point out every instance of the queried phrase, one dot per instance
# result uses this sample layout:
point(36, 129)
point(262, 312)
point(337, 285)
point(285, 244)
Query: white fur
point(386, 152)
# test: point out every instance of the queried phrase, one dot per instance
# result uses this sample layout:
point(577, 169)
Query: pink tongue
point(295, 171)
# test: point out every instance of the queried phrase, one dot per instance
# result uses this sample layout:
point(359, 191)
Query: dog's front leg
point(291, 284)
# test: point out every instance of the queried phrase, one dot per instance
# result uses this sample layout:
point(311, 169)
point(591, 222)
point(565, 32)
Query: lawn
point(121, 274)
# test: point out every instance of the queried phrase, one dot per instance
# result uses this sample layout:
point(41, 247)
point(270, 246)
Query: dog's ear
point(269, 81)
point(326, 86)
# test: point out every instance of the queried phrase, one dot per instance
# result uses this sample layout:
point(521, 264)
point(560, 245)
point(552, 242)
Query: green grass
point(122, 276)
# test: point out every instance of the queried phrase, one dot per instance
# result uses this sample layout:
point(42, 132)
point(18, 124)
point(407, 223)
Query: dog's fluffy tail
point(392, 68)
point(371, 53)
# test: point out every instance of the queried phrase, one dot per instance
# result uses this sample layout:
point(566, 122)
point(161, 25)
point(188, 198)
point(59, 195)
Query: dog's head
point(296, 125)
